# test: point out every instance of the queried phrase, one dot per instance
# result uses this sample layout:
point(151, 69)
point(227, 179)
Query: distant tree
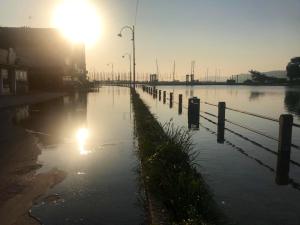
point(293, 69)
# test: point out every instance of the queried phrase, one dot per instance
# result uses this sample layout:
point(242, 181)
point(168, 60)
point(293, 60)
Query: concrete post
point(180, 104)
point(171, 99)
point(284, 149)
point(159, 95)
point(221, 122)
point(193, 113)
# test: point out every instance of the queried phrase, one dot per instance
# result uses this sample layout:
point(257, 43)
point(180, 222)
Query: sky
point(227, 37)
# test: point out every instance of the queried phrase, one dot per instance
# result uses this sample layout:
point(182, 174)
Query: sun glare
point(81, 136)
point(78, 20)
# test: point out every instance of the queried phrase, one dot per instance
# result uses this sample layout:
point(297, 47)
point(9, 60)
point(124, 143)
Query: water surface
point(240, 173)
point(90, 136)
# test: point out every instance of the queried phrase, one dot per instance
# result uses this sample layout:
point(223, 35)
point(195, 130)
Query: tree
point(293, 69)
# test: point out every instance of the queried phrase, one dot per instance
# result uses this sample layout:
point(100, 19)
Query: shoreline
point(11, 101)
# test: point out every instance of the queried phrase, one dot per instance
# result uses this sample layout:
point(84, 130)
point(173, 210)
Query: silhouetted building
point(192, 78)
point(13, 77)
point(187, 79)
point(52, 61)
point(153, 78)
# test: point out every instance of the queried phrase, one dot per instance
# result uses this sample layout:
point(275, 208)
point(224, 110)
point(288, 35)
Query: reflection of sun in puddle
point(82, 135)
point(80, 173)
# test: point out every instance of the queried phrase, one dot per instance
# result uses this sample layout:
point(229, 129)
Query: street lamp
point(129, 56)
point(132, 29)
point(112, 71)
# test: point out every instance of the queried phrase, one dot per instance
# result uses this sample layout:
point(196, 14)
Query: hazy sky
point(231, 35)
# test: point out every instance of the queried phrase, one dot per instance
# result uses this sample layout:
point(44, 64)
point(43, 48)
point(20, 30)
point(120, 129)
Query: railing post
point(159, 95)
point(221, 121)
point(193, 113)
point(164, 97)
point(171, 99)
point(180, 104)
point(284, 149)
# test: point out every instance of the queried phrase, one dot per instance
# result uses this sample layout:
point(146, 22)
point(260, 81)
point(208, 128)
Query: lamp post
point(132, 29)
point(112, 71)
point(129, 56)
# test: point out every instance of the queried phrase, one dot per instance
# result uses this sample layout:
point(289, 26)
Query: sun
point(78, 20)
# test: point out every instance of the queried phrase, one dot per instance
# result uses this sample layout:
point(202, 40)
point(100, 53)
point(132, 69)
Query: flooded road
point(241, 174)
point(91, 138)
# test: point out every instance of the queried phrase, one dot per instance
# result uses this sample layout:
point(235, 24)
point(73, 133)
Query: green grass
point(169, 170)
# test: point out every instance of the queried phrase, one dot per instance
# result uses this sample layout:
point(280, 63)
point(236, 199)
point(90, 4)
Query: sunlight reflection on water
point(82, 136)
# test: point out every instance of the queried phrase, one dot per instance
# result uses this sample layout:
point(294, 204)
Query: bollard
point(171, 99)
point(221, 122)
point(164, 97)
point(159, 95)
point(193, 113)
point(284, 149)
point(156, 93)
point(180, 104)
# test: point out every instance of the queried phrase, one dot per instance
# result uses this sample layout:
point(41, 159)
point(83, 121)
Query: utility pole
point(174, 68)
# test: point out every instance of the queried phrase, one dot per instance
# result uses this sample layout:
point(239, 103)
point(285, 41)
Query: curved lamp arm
point(127, 27)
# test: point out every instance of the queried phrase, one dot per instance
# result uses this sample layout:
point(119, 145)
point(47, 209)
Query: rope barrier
point(250, 114)
point(250, 129)
point(243, 152)
point(243, 126)
point(249, 140)
point(207, 103)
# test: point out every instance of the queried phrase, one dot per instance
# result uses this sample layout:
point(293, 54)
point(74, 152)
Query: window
point(4, 73)
point(21, 75)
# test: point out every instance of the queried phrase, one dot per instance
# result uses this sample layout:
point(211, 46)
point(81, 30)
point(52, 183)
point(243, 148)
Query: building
point(13, 76)
point(52, 61)
point(153, 78)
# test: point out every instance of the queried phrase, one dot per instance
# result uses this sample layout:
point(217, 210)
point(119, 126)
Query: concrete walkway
point(31, 98)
